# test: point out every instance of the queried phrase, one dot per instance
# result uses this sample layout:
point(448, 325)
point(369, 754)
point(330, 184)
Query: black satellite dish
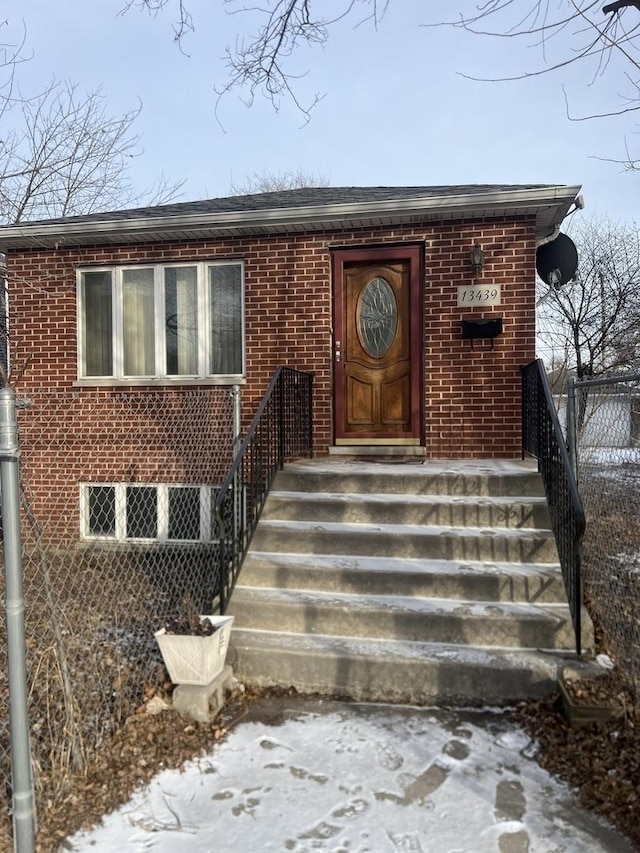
point(557, 261)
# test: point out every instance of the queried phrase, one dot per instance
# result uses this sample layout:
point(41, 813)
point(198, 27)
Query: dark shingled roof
point(306, 197)
point(298, 211)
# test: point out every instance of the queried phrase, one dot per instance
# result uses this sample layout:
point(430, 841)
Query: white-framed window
point(161, 321)
point(147, 512)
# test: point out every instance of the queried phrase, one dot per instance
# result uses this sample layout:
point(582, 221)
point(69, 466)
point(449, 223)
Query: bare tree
point(592, 324)
point(62, 153)
point(265, 182)
point(67, 155)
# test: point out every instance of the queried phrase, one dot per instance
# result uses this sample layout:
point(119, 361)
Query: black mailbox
point(484, 328)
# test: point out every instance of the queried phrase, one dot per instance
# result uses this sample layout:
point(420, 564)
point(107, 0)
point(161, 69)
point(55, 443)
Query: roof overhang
point(548, 204)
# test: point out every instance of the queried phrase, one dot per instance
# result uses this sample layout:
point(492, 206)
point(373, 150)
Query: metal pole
point(237, 417)
point(310, 414)
point(572, 434)
point(237, 483)
point(22, 779)
point(281, 426)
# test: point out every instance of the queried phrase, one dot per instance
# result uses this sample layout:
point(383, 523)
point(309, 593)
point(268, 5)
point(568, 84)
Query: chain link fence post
point(22, 777)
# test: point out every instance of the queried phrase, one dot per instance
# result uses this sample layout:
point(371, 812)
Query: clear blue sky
point(396, 110)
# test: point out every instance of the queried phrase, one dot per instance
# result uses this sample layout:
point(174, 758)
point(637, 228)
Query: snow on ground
point(325, 776)
point(611, 455)
point(616, 463)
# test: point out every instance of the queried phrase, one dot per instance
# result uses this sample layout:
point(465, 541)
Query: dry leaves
point(601, 761)
point(147, 744)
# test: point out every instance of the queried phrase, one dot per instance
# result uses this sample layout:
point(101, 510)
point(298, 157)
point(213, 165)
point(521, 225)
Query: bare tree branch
point(600, 39)
point(260, 63)
point(183, 21)
point(11, 55)
point(567, 33)
point(619, 4)
point(578, 32)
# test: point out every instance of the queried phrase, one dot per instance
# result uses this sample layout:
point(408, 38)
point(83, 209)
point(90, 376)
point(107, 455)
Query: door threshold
point(377, 450)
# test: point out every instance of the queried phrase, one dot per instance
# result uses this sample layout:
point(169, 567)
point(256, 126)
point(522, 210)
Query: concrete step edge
point(410, 672)
point(400, 565)
point(432, 607)
point(410, 576)
point(332, 527)
point(417, 650)
point(424, 477)
point(399, 498)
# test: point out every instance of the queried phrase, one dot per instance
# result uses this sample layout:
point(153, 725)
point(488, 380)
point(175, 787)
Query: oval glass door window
point(377, 317)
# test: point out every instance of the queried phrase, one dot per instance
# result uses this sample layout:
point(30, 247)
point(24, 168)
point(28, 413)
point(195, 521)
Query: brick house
point(415, 345)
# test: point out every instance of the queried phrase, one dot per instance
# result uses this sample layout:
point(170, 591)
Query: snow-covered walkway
point(307, 776)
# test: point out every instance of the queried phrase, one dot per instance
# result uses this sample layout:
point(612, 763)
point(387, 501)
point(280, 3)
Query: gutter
point(527, 200)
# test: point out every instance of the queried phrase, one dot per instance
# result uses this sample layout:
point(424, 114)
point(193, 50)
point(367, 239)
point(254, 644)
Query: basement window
point(128, 512)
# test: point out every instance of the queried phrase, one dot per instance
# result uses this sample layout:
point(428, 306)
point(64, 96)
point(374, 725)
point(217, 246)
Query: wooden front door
point(377, 345)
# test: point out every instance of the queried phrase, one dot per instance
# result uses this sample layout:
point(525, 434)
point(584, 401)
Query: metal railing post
point(310, 414)
point(237, 418)
point(280, 425)
point(237, 421)
point(21, 772)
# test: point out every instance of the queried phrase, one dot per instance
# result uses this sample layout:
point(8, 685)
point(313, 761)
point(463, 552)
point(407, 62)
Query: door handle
point(338, 353)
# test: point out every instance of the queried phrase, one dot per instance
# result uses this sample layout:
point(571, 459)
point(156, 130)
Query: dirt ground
point(601, 761)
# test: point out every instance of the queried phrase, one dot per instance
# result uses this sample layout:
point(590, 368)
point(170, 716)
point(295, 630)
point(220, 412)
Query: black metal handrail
point(542, 438)
point(281, 429)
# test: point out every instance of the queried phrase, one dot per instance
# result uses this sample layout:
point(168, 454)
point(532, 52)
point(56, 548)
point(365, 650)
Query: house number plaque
point(478, 294)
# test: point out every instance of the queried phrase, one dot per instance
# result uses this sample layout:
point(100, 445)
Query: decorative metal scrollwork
point(377, 317)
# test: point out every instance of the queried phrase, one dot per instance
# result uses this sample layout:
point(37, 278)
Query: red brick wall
point(471, 396)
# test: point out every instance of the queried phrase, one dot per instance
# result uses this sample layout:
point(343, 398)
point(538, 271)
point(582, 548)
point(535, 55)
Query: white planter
point(196, 660)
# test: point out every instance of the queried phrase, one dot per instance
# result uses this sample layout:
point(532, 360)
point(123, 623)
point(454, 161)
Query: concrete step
point(435, 510)
point(495, 478)
point(377, 670)
point(503, 624)
point(404, 581)
point(404, 540)
point(471, 579)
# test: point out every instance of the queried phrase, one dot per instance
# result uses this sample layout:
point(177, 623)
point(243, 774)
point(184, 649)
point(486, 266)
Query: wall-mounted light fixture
point(477, 259)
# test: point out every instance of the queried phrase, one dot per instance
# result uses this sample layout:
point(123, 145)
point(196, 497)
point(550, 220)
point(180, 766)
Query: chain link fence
point(607, 429)
point(118, 537)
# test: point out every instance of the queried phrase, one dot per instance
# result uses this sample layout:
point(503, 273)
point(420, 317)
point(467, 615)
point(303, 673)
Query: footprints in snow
point(329, 829)
point(510, 801)
point(417, 789)
point(509, 805)
point(407, 842)
point(388, 757)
